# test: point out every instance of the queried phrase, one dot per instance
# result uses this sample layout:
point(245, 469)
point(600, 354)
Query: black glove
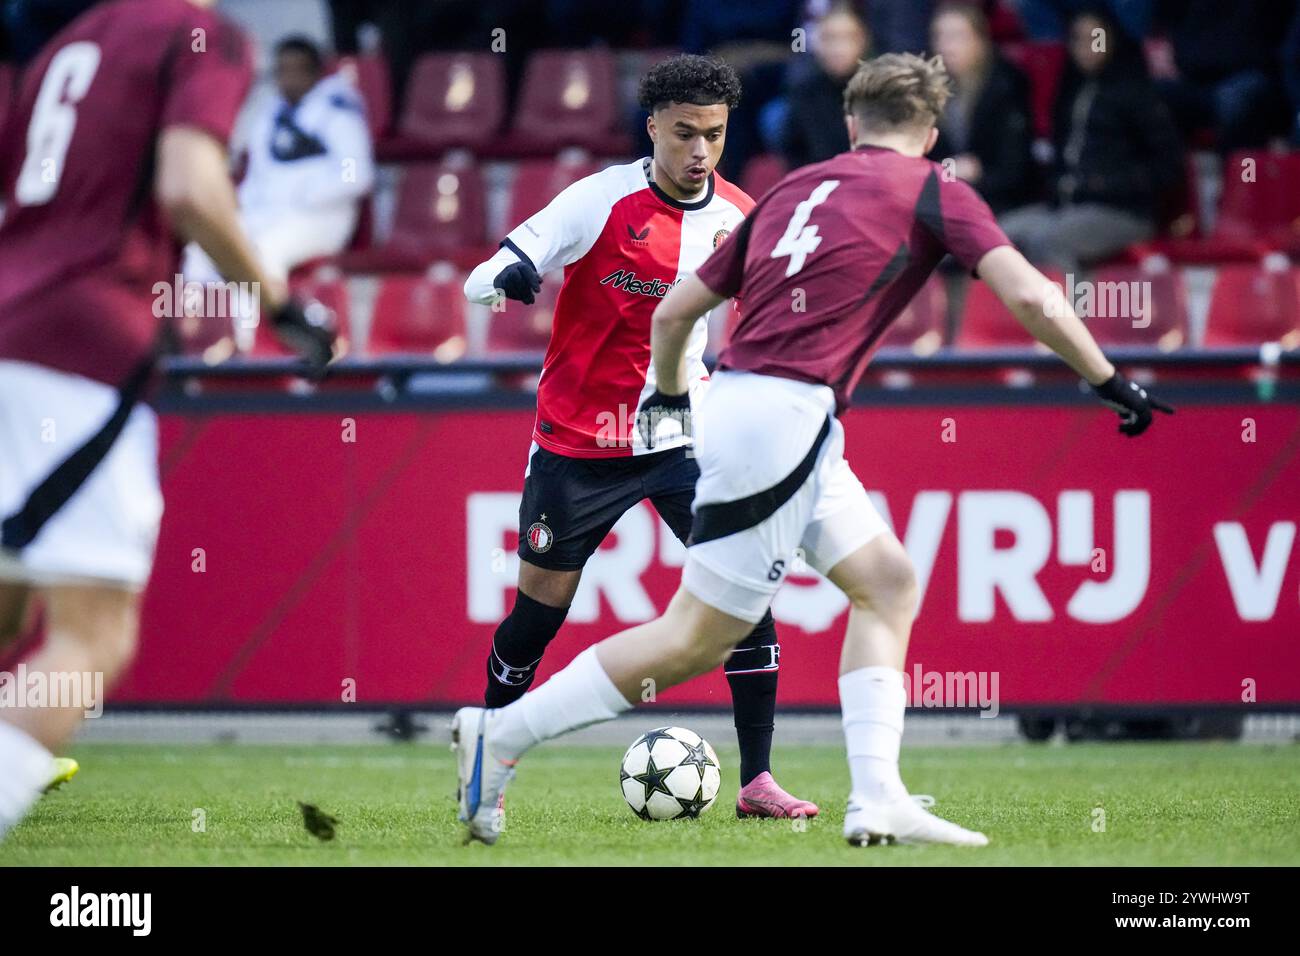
point(1131, 401)
point(658, 407)
point(309, 330)
point(519, 281)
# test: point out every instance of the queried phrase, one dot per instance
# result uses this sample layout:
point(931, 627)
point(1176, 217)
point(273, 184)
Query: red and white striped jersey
point(623, 243)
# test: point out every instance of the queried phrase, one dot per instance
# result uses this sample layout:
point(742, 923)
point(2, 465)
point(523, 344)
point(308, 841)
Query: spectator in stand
point(1048, 20)
point(986, 128)
point(756, 39)
point(895, 26)
point(1291, 74)
point(401, 26)
point(1228, 70)
point(1117, 154)
point(900, 26)
point(309, 165)
point(26, 25)
point(712, 27)
point(407, 28)
point(810, 117)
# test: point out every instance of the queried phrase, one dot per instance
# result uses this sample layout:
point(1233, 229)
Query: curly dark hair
point(686, 78)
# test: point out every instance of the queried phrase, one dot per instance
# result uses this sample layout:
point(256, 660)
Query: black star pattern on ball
point(697, 756)
point(695, 806)
point(651, 737)
point(654, 779)
point(644, 812)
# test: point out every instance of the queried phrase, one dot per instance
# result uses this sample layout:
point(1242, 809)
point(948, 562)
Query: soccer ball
point(670, 773)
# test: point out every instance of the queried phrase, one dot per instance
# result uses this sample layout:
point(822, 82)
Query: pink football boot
point(763, 797)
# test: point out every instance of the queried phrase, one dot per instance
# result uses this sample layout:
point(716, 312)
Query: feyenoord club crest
point(719, 236)
point(540, 537)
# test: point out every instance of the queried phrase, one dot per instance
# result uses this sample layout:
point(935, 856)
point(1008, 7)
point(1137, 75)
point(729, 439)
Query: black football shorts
point(570, 504)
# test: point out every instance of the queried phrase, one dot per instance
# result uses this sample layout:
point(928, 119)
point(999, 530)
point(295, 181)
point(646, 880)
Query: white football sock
point(873, 701)
point(25, 769)
point(579, 695)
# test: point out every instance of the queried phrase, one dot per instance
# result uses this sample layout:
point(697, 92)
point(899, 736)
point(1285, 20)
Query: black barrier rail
point(895, 377)
point(887, 359)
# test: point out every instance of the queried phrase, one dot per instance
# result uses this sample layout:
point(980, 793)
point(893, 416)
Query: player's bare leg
point(90, 630)
point(880, 583)
point(603, 681)
point(15, 603)
point(17, 607)
point(535, 619)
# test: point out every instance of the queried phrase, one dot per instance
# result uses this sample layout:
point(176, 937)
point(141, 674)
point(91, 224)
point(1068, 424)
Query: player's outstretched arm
point(557, 236)
point(670, 331)
point(1041, 307)
point(504, 274)
point(193, 187)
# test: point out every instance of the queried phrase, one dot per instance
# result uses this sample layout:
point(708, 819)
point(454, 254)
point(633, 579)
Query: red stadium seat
point(420, 314)
point(440, 210)
point(920, 326)
point(525, 328)
point(1181, 234)
point(1253, 304)
point(369, 74)
point(1266, 208)
point(1165, 326)
point(454, 99)
point(1043, 63)
point(1206, 251)
point(987, 324)
point(568, 98)
point(538, 181)
point(761, 173)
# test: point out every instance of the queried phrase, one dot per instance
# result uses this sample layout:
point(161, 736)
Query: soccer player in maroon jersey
point(624, 236)
point(114, 154)
point(857, 235)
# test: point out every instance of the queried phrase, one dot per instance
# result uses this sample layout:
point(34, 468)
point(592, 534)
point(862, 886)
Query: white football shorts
point(106, 530)
point(773, 487)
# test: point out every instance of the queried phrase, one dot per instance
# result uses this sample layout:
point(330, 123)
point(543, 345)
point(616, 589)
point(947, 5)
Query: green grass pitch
point(1163, 804)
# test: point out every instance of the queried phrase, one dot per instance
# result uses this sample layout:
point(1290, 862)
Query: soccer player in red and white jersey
point(858, 234)
point(624, 236)
point(114, 154)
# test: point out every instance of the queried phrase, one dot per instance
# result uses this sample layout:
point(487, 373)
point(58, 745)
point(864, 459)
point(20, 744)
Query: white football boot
point(481, 775)
point(902, 819)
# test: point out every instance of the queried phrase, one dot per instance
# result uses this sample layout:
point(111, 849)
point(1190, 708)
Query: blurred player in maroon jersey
point(853, 238)
point(115, 154)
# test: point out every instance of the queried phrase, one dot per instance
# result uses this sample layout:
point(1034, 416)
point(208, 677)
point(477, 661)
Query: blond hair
point(898, 91)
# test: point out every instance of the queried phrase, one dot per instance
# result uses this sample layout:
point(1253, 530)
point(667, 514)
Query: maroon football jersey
point(833, 253)
point(82, 242)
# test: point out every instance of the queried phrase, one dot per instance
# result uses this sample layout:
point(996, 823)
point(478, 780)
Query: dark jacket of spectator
point(708, 24)
point(814, 125)
point(1115, 142)
point(1291, 73)
point(999, 133)
point(1213, 40)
